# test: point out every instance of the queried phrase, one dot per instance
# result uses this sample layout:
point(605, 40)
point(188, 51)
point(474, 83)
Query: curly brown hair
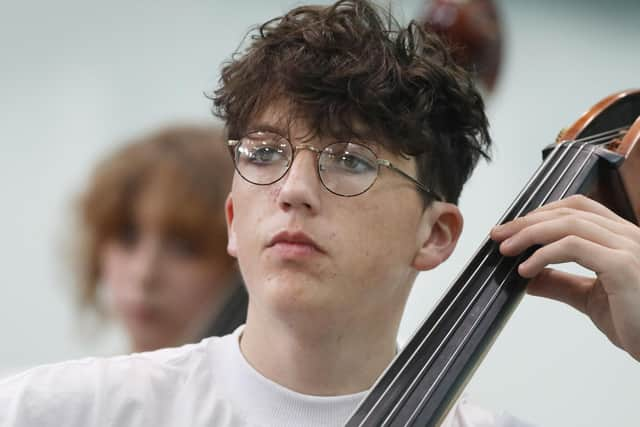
point(349, 64)
point(187, 172)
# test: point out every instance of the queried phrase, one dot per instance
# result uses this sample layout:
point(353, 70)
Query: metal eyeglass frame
point(233, 143)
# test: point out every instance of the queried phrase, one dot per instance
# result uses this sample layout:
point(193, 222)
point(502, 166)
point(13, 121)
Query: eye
point(266, 154)
point(128, 235)
point(354, 163)
point(351, 160)
point(263, 149)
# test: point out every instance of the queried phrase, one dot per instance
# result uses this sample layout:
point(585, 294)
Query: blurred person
point(151, 247)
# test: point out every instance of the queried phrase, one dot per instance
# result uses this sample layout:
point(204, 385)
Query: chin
point(295, 293)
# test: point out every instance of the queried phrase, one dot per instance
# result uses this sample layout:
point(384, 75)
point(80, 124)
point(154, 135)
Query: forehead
point(289, 122)
point(281, 118)
point(150, 201)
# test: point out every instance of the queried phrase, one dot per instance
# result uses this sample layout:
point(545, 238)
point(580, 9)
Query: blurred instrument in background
point(474, 30)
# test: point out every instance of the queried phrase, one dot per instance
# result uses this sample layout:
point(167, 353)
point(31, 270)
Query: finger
point(621, 227)
point(588, 254)
point(508, 229)
point(552, 230)
point(582, 203)
point(560, 286)
point(617, 270)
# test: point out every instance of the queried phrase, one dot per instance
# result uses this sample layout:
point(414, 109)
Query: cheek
point(114, 267)
point(383, 239)
point(250, 224)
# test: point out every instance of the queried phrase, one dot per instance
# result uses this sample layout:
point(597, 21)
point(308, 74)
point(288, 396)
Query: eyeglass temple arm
point(418, 184)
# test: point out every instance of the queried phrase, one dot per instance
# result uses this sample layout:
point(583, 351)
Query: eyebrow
point(263, 126)
point(284, 132)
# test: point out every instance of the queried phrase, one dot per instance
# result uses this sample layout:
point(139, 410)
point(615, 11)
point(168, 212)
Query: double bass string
point(427, 362)
point(592, 139)
point(496, 292)
point(595, 141)
point(601, 137)
point(550, 158)
point(409, 389)
point(484, 285)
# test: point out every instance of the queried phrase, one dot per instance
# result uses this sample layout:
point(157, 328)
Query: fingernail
point(522, 269)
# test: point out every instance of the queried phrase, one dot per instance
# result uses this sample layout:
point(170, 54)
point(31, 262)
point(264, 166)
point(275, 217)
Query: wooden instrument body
point(618, 110)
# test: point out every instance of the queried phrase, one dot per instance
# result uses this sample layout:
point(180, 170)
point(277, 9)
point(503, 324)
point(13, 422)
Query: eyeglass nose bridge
point(309, 147)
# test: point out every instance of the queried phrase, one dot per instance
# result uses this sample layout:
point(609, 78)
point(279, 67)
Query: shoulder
point(81, 372)
point(76, 392)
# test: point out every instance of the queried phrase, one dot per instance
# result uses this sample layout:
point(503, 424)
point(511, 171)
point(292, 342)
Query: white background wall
point(77, 77)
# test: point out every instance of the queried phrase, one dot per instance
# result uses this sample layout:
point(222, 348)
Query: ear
point(232, 247)
point(440, 228)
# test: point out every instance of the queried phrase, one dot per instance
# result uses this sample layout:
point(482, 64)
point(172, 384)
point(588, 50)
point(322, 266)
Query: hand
point(581, 230)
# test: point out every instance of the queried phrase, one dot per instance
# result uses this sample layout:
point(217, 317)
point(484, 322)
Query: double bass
point(598, 156)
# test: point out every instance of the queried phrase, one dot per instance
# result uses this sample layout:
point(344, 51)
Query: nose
point(301, 187)
point(146, 262)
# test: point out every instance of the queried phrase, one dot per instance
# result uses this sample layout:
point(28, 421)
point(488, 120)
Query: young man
point(351, 144)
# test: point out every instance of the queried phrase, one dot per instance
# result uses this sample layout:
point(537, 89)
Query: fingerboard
point(425, 378)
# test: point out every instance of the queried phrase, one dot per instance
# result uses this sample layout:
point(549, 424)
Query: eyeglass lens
point(345, 168)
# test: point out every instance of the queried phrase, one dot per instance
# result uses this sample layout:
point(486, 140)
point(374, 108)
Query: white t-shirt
point(204, 384)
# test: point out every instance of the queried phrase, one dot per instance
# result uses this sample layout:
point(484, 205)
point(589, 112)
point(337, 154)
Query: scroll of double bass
point(598, 156)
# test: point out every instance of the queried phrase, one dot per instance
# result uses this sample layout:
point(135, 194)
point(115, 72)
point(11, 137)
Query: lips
point(294, 239)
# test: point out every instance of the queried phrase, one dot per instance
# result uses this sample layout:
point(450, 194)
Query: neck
point(326, 358)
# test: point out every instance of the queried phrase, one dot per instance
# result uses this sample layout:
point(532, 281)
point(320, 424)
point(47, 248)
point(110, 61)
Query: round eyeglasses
point(345, 168)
